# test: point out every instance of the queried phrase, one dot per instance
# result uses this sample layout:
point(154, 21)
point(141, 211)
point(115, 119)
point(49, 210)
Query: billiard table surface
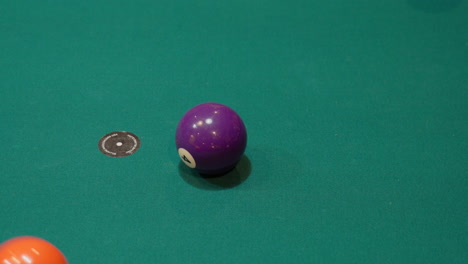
point(356, 114)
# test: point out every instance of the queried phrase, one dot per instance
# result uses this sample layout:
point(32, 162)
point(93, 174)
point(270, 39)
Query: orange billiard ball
point(30, 250)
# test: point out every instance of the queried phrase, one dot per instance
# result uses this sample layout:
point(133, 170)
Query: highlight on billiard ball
point(211, 138)
point(30, 250)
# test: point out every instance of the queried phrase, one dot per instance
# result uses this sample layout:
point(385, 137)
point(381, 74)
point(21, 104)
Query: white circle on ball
point(187, 158)
point(119, 144)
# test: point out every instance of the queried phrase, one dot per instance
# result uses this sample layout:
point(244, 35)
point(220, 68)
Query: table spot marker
point(119, 144)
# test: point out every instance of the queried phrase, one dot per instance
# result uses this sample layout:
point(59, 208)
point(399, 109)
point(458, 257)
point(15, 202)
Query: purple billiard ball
point(211, 138)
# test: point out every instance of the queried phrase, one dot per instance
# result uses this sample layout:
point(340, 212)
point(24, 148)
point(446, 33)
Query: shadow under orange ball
point(30, 250)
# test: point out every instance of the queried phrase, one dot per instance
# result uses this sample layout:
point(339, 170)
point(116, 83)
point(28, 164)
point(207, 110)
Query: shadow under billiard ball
point(228, 180)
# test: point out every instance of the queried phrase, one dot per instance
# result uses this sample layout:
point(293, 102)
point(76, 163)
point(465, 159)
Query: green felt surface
point(356, 113)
